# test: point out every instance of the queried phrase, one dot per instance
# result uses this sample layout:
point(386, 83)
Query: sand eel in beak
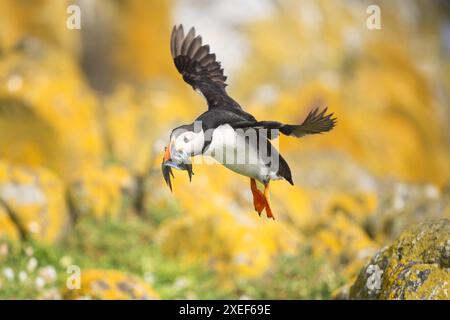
point(225, 131)
point(179, 161)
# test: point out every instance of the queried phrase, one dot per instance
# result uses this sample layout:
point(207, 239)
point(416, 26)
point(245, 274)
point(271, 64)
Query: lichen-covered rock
point(101, 192)
point(32, 203)
point(234, 247)
point(344, 242)
point(110, 285)
point(132, 48)
point(401, 205)
point(36, 19)
point(220, 229)
point(415, 266)
point(398, 100)
point(47, 112)
point(356, 206)
point(138, 123)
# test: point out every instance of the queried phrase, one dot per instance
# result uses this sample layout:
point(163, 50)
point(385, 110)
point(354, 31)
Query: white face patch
point(189, 143)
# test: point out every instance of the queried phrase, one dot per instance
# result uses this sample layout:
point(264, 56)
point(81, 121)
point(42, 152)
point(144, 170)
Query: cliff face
point(415, 266)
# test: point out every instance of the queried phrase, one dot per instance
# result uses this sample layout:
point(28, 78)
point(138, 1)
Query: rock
point(101, 192)
point(219, 229)
point(110, 285)
point(47, 112)
point(132, 49)
point(234, 247)
point(138, 124)
point(409, 146)
point(401, 205)
point(32, 203)
point(415, 266)
point(343, 242)
point(41, 20)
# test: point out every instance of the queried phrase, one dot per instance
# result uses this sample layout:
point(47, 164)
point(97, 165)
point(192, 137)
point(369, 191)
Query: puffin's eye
point(186, 140)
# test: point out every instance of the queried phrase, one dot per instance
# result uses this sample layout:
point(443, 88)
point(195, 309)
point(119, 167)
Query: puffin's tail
point(315, 122)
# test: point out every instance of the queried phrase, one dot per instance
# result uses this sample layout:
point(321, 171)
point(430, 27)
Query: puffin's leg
point(258, 198)
point(268, 206)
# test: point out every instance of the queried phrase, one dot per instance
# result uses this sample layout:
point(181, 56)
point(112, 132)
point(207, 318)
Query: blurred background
point(85, 115)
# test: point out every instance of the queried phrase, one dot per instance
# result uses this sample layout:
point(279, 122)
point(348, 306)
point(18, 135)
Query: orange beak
point(167, 153)
point(168, 164)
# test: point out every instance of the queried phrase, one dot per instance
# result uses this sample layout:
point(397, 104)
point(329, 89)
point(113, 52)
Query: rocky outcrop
point(32, 203)
point(110, 284)
point(47, 112)
point(101, 192)
point(415, 266)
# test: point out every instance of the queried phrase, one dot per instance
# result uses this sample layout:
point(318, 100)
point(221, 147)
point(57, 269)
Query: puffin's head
point(185, 141)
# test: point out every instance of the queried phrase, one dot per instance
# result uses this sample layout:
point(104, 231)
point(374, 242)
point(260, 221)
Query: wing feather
point(194, 46)
point(187, 42)
point(201, 53)
point(199, 67)
point(179, 36)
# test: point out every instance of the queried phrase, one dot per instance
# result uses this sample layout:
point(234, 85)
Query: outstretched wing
point(200, 68)
point(315, 122)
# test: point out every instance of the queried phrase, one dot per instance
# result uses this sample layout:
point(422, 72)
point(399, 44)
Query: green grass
point(127, 244)
point(296, 277)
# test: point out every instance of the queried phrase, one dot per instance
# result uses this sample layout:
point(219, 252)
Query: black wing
point(200, 68)
point(315, 122)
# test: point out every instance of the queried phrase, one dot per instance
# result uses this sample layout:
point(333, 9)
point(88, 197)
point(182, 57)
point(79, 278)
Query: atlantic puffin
point(225, 131)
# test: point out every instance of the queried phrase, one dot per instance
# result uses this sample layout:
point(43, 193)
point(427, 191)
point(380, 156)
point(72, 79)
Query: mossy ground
point(127, 245)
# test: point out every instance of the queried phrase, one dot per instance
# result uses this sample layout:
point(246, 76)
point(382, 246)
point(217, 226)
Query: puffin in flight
point(225, 131)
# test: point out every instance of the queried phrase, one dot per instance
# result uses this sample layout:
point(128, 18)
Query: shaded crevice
point(14, 217)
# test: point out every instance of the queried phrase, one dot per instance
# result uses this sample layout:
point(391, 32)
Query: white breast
point(238, 152)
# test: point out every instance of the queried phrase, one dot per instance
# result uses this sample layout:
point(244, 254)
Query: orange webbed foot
point(259, 201)
point(269, 212)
